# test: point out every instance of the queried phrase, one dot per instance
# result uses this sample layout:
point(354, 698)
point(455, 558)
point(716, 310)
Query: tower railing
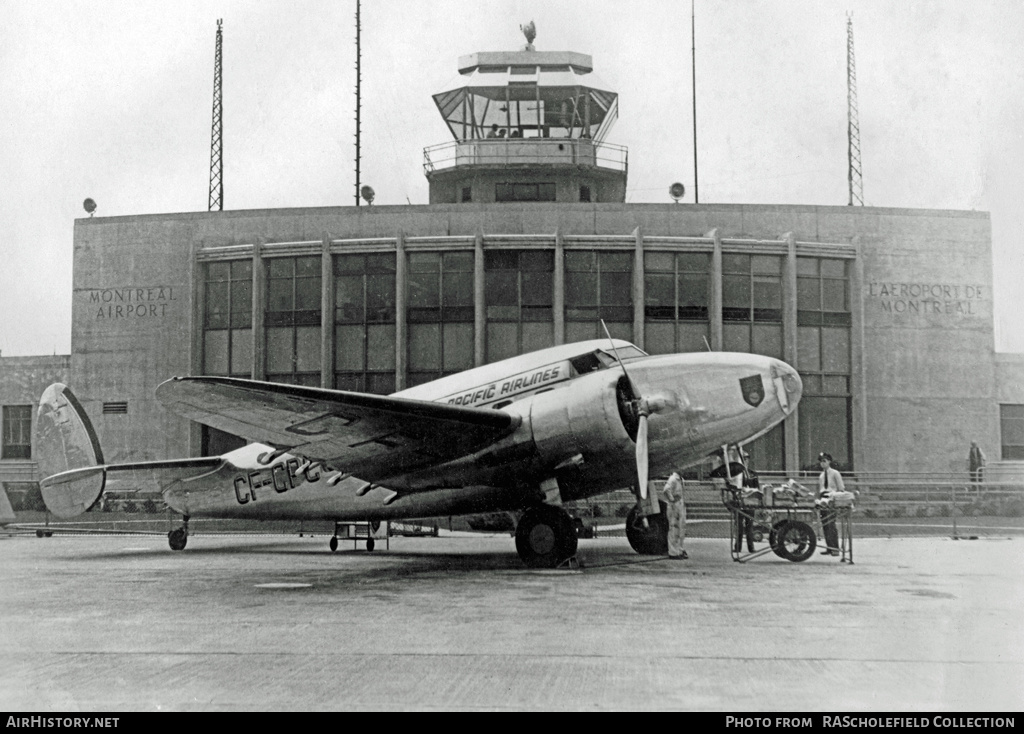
point(523, 152)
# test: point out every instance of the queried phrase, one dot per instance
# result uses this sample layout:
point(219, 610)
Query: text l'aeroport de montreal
point(63, 722)
point(871, 722)
point(132, 303)
point(938, 298)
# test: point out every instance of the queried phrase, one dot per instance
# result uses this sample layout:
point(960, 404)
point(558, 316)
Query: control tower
point(528, 126)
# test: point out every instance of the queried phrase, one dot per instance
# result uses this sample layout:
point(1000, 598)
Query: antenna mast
point(358, 98)
point(852, 126)
point(693, 66)
point(216, 139)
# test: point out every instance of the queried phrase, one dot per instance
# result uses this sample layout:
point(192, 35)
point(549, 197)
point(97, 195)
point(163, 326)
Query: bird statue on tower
point(530, 31)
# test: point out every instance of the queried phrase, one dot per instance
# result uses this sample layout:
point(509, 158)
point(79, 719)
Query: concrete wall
point(131, 328)
point(1010, 378)
point(924, 381)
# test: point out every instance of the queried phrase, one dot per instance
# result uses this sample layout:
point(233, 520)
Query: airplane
point(523, 434)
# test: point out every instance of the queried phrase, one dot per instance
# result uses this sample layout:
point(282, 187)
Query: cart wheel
point(773, 538)
point(758, 536)
point(797, 541)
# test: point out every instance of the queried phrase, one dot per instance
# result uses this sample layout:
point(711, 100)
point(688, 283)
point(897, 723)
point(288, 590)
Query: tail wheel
point(177, 539)
point(651, 540)
point(545, 537)
point(797, 541)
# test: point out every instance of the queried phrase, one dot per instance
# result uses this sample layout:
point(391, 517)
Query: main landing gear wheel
point(370, 544)
point(545, 537)
point(177, 539)
point(651, 540)
point(797, 541)
point(334, 543)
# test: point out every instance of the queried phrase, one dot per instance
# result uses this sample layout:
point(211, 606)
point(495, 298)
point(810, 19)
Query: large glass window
point(824, 426)
point(823, 358)
point(823, 325)
point(768, 453)
point(293, 320)
point(518, 293)
point(505, 192)
point(440, 314)
point(752, 304)
point(676, 297)
point(17, 432)
point(598, 285)
point(227, 321)
point(1011, 430)
point(364, 318)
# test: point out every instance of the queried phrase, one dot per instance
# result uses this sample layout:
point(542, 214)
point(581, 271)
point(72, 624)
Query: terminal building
point(528, 242)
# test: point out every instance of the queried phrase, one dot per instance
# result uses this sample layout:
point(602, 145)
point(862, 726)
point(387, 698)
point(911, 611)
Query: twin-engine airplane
point(526, 433)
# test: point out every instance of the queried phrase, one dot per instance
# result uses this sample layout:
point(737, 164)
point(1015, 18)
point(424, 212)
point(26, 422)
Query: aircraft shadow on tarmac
point(390, 561)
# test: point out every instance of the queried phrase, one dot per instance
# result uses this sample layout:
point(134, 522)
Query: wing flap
point(371, 436)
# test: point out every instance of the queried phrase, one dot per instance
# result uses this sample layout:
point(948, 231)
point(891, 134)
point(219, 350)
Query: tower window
point(505, 192)
point(584, 193)
point(467, 193)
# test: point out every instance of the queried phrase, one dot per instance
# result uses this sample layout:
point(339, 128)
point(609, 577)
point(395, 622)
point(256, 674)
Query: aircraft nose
point(788, 385)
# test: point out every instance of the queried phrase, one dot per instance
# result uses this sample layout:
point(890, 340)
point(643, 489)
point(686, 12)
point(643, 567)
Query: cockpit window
point(601, 360)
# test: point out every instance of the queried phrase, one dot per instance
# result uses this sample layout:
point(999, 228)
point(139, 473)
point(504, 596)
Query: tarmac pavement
point(121, 623)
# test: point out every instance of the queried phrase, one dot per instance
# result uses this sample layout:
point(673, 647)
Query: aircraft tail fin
point(68, 453)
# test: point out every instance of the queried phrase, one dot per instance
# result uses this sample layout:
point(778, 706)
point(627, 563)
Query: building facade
point(22, 381)
point(527, 242)
point(886, 313)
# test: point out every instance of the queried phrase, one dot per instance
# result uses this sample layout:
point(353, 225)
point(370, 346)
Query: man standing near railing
point(829, 481)
point(976, 462)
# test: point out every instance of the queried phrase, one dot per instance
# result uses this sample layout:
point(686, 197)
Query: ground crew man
point(672, 493)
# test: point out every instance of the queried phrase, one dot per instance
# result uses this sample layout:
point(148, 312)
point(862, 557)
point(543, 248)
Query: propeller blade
point(632, 385)
point(641, 454)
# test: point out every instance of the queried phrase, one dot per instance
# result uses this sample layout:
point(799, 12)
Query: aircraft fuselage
point(576, 433)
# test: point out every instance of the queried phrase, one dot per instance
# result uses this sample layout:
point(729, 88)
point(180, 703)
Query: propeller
point(644, 407)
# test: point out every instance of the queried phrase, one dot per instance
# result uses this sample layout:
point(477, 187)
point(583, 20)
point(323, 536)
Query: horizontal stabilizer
point(73, 492)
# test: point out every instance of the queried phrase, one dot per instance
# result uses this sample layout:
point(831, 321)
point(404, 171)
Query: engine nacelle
point(579, 434)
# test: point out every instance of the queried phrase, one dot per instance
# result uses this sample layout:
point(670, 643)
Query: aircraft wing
point(371, 436)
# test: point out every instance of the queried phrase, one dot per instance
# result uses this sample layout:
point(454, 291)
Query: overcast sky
point(112, 100)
